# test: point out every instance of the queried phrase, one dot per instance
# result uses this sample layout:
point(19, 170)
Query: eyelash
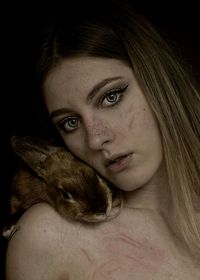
point(117, 91)
point(61, 125)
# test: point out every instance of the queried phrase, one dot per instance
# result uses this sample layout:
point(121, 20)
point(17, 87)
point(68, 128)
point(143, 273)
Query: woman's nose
point(99, 134)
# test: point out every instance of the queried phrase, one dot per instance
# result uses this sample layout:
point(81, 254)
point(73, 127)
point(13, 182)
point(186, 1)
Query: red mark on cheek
point(130, 115)
point(131, 109)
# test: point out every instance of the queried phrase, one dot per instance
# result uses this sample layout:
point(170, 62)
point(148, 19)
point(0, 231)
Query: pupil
point(112, 97)
point(72, 122)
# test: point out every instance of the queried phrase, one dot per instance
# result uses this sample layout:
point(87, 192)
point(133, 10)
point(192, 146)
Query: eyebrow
point(90, 96)
point(58, 112)
point(99, 86)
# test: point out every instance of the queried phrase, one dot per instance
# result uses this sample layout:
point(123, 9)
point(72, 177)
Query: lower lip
point(120, 164)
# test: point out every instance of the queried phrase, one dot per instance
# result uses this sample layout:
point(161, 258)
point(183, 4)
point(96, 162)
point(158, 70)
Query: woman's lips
point(119, 164)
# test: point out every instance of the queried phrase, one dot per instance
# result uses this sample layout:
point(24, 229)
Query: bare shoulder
point(35, 250)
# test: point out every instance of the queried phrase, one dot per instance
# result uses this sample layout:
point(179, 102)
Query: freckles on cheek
point(96, 131)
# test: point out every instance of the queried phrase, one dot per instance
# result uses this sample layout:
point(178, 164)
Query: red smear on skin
point(130, 257)
point(125, 255)
point(88, 257)
point(142, 250)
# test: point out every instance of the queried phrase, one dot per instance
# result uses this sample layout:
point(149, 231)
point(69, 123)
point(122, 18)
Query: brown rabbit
point(51, 174)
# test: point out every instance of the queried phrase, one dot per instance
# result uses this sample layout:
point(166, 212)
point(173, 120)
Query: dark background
point(21, 25)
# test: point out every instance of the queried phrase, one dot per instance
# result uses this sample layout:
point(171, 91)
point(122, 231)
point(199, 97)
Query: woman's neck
point(153, 196)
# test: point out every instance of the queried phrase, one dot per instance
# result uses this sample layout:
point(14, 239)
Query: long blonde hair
point(175, 102)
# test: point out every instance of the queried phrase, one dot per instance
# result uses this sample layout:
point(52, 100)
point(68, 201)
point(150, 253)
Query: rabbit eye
point(64, 193)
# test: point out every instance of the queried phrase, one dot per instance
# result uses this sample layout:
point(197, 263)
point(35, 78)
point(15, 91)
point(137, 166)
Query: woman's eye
point(69, 124)
point(113, 97)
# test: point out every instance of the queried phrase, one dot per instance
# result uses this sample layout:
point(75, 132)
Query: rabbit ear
point(33, 151)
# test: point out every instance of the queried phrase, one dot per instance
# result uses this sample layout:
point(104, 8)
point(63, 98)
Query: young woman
point(122, 103)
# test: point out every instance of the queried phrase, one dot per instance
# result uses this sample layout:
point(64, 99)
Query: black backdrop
point(20, 27)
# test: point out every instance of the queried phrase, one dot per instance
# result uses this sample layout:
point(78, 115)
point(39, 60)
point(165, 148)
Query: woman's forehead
point(89, 70)
point(72, 80)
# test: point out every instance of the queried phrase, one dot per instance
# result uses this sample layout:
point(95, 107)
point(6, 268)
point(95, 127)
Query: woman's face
point(104, 119)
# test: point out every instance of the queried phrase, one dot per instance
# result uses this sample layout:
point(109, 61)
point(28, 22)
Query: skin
point(138, 244)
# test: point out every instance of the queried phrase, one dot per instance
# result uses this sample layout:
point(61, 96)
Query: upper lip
point(113, 158)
